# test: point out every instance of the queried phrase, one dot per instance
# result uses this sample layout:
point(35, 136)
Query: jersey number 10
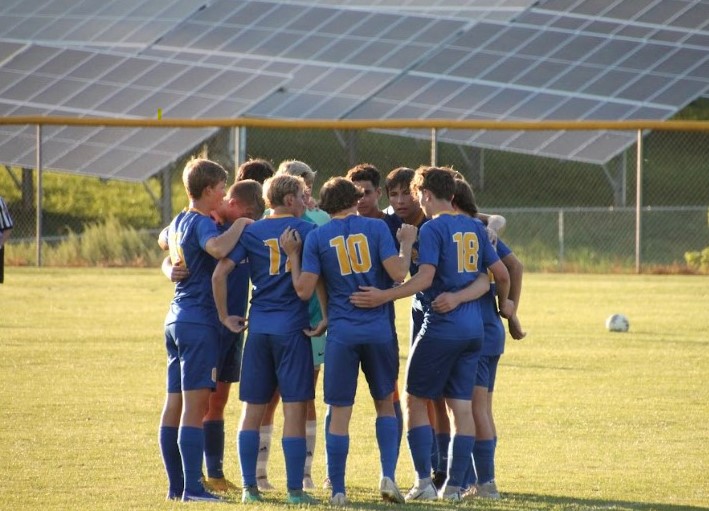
point(352, 253)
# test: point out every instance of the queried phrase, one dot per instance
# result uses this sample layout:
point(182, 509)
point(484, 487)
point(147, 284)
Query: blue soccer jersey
point(459, 248)
point(494, 342)
point(237, 284)
point(193, 302)
point(348, 252)
point(275, 306)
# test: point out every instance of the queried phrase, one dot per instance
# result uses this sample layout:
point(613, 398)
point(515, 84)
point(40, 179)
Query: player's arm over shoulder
point(219, 246)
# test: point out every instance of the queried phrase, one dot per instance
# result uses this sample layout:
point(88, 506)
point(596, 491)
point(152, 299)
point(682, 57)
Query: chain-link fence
point(561, 215)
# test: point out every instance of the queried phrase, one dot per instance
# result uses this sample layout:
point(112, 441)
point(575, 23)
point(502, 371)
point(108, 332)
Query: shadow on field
point(519, 501)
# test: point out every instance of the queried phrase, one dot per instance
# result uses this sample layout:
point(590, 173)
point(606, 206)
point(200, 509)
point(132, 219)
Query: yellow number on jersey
point(468, 246)
point(352, 254)
point(274, 256)
point(176, 254)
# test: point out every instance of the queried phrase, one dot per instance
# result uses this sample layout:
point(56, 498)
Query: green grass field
point(587, 419)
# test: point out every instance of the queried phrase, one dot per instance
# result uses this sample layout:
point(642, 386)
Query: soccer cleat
point(488, 490)
point(300, 497)
point(450, 493)
point(200, 496)
point(469, 493)
point(219, 484)
point(338, 499)
point(439, 479)
point(390, 491)
point(326, 484)
point(422, 491)
point(173, 495)
point(251, 494)
point(308, 482)
point(263, 484)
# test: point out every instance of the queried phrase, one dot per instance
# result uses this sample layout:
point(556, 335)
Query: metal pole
point(166, 195)
point(239, 146)
point(38, 227)
point(638, 201)
point(561, 240)
point(434, 147)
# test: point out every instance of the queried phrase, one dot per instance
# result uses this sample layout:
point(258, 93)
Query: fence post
point(38, 234)
point(638, 201)
point(561, 240)
point(434, 147)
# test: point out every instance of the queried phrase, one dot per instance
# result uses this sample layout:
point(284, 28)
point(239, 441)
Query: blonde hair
point(297, 168)
point(277, 187)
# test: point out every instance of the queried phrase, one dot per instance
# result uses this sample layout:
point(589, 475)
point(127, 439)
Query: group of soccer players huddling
point(323, 281)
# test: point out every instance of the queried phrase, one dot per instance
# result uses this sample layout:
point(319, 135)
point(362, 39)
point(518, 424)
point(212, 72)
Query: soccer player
point(367, 178)
point(191, 329)
point(277, 352)
point(347, 252)
point(454, 252)
point(244, 199)
point(317, 216)
point(493, 347)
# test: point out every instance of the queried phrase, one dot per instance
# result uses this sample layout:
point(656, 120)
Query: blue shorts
point(230, 348)
point(192, 352)
point(438, 368)
point(487, 370)
point(379, 363)
point(277, 361)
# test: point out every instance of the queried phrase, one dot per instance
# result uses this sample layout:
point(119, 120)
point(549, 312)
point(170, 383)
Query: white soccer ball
point(617, 323)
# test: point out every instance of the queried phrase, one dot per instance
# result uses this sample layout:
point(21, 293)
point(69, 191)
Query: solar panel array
point(40, 80)
point(471, 10)
point(336, 58)
point(560, 64)
point(470, 59)
point(131, 24)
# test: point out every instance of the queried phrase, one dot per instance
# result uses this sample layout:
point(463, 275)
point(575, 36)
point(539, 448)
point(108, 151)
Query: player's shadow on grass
point(512, 501)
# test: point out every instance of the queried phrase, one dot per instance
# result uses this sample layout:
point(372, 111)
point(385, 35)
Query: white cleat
point(338, 499)
point(390, 491)
point(422, 490)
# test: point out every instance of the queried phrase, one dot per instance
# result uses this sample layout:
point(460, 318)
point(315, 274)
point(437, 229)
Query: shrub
point(107, 243)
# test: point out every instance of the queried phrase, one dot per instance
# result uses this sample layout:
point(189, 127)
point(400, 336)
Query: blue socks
point(191, 442)
point(247, 443)
point(337, 448)
point(167, 439)
point(420, 444)
point(484, 455)
point(459, 455)
point(294, 451)
point(214, 448)
point(387, 433)
point(442, 441)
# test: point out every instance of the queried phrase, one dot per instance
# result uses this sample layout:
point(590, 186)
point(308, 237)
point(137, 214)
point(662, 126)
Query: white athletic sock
point(264, 448)
point(310, 432)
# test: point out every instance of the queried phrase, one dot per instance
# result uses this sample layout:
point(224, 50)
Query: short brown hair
point(338, 194)
point(250, 193)
point(440, 181)
point(277, 187)
point(200, 173)
point(400, 176)
point(365, 172)
point(257, 169)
